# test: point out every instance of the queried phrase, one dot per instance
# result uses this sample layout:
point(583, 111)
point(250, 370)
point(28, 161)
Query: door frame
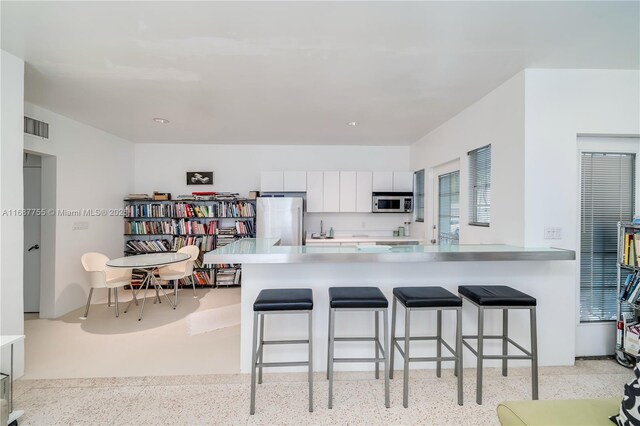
point(436, 172)
point(598, 338)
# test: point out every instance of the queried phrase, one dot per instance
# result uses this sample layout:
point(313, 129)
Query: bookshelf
point(152, 226)
point(628, 293)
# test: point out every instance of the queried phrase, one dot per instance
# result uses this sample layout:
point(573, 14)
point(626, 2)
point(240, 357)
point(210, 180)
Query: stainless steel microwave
point(392, 202)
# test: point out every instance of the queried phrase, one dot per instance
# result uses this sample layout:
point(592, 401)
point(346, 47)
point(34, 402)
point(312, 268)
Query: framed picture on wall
point(199, 178)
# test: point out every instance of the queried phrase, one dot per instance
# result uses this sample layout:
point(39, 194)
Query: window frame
point(473, 180)
point(417, 195)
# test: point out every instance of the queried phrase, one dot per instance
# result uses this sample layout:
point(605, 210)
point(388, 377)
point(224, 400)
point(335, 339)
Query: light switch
point(80, 226)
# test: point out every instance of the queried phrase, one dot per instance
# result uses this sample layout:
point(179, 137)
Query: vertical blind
point(607, 191)
point(480, 186)
point(449, 208)
point(418, 184)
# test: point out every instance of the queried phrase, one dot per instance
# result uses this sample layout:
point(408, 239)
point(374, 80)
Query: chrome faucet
point(321, 230)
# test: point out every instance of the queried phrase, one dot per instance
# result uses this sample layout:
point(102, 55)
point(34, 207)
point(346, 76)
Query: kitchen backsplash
point(371, 224)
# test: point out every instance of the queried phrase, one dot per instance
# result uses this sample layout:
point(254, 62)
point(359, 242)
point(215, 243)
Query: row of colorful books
point(172, 227)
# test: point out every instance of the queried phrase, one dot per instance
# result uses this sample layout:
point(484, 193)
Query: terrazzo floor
point(282, 398)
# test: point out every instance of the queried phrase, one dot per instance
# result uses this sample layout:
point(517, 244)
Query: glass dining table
point(148, 263)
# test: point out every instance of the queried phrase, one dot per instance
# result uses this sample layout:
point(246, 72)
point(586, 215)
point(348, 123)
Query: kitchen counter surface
point(252, 250)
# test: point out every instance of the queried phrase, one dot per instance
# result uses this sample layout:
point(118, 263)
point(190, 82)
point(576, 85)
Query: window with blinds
point(449, 208)
point(480, 186)
point(607, 197)
point(418, 184)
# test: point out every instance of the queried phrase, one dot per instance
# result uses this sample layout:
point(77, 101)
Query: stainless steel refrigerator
point(281, 217)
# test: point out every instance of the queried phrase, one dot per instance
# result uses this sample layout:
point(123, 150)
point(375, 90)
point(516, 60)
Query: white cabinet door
point(382, 181)
point(315, 190)
point(271, 182)
point(364, 188)
point(295, 181)
point(331, 194)
point(403, 181)
point(348, 191)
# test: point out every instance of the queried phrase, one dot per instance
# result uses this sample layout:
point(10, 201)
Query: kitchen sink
point(320, 237)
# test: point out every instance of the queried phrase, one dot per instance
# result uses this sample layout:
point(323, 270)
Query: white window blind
point(418, 184)
point(480, 186)
point(607, 191)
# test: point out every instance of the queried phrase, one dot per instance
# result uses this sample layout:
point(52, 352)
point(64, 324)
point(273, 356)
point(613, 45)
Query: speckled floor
point(282, 398)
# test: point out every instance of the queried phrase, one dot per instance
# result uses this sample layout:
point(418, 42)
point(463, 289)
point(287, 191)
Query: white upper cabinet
point(331, 193)
point(382, 181)
point(271, 181)
point(315, 192)
point(403, 181)
point(348, 192)
point(364, 188)
point(295, 181)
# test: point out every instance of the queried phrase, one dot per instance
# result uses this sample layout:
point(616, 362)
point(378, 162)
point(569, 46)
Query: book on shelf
point(142, 246)
point(631, 248)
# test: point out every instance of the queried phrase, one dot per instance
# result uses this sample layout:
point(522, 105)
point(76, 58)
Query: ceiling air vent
point(36, 128)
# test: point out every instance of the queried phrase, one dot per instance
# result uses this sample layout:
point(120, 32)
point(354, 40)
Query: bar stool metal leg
point(505, 334)
point(393, 337)
point(459, 365)
point(439, 343)
point(385, 318)
point(405, 378)
point(534, 353)
point(252, 408)
point(375, 343)
point(328, 344)
point(480, 354)
point(332, 313)
point(261, 347)
point(310, 363)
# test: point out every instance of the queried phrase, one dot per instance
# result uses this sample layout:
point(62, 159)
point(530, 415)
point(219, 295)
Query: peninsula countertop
point(256, 250)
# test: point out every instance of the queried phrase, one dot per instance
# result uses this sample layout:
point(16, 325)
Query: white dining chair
point(101, 276)
point(181, 270)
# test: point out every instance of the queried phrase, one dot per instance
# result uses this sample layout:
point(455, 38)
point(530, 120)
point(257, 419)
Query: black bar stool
point(280, 301)
point(420, 299)
point(359, 299)
point(505, 298)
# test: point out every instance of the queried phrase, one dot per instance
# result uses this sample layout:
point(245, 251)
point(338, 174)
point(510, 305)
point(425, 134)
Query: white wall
point(162, 167)
point(11, 196)
point(496, 119)
point(93, 170)
point(560, 105)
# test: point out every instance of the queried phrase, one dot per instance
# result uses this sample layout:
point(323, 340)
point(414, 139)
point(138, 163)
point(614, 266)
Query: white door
point(364, 188)
point(31, 266)
point(315, 190)
point(331, 193)
point(348, 191)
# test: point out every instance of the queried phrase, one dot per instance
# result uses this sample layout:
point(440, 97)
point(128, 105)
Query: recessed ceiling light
point(352, 123)
point(161, 120)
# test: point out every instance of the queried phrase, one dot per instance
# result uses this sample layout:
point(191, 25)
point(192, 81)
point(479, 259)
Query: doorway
point(445, 184)
point(608, 192)
point(32, 174)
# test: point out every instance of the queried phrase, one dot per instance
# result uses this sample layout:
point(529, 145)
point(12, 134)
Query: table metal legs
point(149, 278)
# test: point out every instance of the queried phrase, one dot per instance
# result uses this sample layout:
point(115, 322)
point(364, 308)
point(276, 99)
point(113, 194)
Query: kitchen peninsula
point(545, 273)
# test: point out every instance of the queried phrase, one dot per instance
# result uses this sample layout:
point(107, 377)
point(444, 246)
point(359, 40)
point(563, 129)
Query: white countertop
point(252, 250)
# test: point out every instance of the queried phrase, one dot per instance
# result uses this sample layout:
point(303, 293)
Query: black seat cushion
point(496, 295)
point(357, 297)
point(426, 297)
point(284, 299)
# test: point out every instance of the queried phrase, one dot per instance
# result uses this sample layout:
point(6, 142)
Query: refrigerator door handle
point(299, 227)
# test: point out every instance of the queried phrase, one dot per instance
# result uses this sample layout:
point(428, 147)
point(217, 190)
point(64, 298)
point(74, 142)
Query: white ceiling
point(296, 73)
